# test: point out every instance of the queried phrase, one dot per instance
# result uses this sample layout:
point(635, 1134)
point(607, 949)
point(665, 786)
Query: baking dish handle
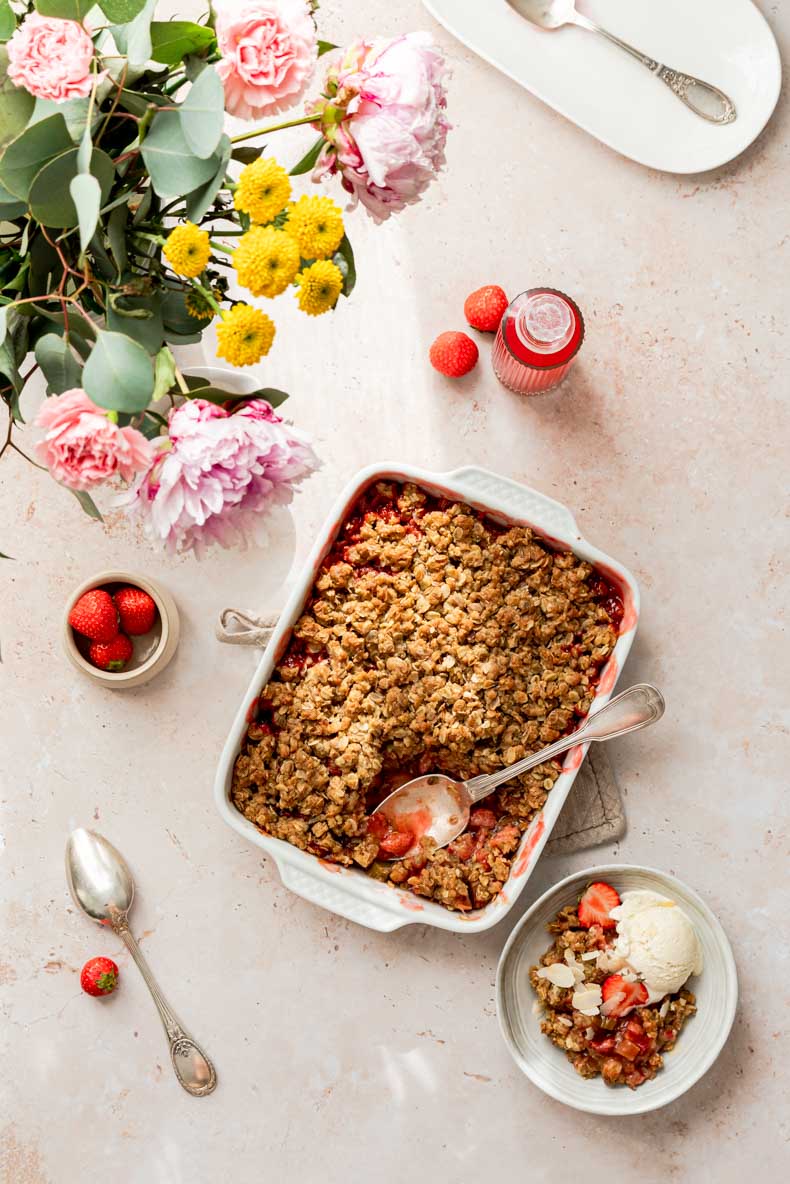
point(339, 899)
point(515, 499)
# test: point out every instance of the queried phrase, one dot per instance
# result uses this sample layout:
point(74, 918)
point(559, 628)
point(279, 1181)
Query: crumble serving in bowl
point(612, 983)
point(434, 638)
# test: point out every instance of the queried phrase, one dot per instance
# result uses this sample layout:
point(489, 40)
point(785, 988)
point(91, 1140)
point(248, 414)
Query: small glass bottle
point(538, 337)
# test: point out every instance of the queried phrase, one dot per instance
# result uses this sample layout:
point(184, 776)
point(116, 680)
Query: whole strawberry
point(99, 976)
point(95, 615)
point(111, 655)
point(483, 309)
point(453, 354)
point(136, 609)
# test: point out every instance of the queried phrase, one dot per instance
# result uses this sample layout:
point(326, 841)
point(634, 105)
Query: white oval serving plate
point(614, 97)
point(700, 1041)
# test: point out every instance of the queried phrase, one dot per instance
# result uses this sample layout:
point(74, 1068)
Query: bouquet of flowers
point(126, 209)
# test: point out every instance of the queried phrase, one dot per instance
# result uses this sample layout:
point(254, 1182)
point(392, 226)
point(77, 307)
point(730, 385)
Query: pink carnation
point(390, 145)
point(216, 474)
point(52, 58)
point(83, 447)
point(269, 49)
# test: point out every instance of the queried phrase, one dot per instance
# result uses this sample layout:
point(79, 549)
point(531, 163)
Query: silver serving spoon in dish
point(101, 884)
point(438, 807)
point(702, 98)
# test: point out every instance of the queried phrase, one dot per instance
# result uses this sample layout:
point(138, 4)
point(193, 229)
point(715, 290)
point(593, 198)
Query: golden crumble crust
point(434, 639)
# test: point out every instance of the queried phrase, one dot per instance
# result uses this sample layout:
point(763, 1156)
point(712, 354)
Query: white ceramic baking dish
point(349, 891)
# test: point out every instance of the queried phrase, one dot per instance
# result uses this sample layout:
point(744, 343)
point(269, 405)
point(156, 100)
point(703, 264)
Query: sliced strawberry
point(596, 905)
point(463, 846)
point(396, 843)
point(604, 1046)
point(621, 995)
point(482, 819)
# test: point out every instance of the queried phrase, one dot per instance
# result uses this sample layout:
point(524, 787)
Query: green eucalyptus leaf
point(121, 12)
point(195, 382)
point(164, 373)
point(88, 504)
point(116, 233)
point(85, 151)
point(61, 369)
point(173, 166)
point(7, 20)
point(270, 394)
point(138, 103)
point(134, 38)
point(202, 114)
point(78, 325)
point(200, 200)
point(344, 259)
point(50, 199)
point(4, 556)
point(309, 159)
point(67, 10)
point(247, 153)
point(10, 206)
point(3, 322)
point(30, 151)
point(138, 317)
point(173, 40)
point(119, 374)
point(325, 47)
point(16, 105)
point(178, 320)
point(86, 194)
point(74, 111)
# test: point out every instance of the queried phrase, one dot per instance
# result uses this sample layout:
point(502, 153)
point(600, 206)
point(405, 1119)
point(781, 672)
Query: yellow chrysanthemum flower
point(187, 249)
point(317, 225)
point(197, 305)
point(319, 287)
point(244, 335)
point(266, 260)
point(263, 189)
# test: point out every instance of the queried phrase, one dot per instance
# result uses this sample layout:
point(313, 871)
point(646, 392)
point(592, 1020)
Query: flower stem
point(275, 127)
point(181, 382)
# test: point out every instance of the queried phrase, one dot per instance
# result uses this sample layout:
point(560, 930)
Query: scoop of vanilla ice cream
point(655, 939)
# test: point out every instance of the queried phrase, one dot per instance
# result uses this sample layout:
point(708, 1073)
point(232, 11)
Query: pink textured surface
point(667, 441)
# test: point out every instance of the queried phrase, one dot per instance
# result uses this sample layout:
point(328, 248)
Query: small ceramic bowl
point(700, 1041)
point(152, 651)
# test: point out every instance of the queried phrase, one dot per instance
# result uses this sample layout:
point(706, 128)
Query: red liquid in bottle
point(537, 341)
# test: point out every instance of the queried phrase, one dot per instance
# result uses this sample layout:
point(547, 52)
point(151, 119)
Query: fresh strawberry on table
point(136, 609)
point(99, 976)
point(596, 904)
point(453, 354)
point(111, 655)
point(95, 615)
point(622, 995)
point(485, 307)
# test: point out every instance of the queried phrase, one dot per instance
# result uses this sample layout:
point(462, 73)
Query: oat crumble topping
point(434, 640)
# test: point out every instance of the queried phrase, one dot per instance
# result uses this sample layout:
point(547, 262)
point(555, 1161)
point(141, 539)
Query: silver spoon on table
point(438, 807)
point(702, 98)
point(102, 885)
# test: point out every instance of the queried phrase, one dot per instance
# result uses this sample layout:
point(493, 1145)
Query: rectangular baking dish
point(348, 891)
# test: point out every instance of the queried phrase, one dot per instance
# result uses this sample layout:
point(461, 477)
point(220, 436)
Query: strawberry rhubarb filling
point(612, 985)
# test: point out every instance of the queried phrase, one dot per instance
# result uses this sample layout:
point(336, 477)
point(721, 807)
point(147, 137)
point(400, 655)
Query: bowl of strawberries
point(120, 629)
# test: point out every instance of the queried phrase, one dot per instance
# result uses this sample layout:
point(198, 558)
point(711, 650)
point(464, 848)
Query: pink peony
point(215, 474)
point(269, 49)
point(52, 58)
point(384, 124)
point(83, 447)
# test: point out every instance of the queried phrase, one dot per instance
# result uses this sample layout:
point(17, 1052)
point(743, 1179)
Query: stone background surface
point(342, 1053)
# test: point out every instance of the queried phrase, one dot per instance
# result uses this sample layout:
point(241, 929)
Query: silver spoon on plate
point(101, 884)
point(438, 807)
point(702, 98)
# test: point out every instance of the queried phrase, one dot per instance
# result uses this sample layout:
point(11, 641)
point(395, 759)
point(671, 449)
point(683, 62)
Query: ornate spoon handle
point(702, 98)
point(192, 1067)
